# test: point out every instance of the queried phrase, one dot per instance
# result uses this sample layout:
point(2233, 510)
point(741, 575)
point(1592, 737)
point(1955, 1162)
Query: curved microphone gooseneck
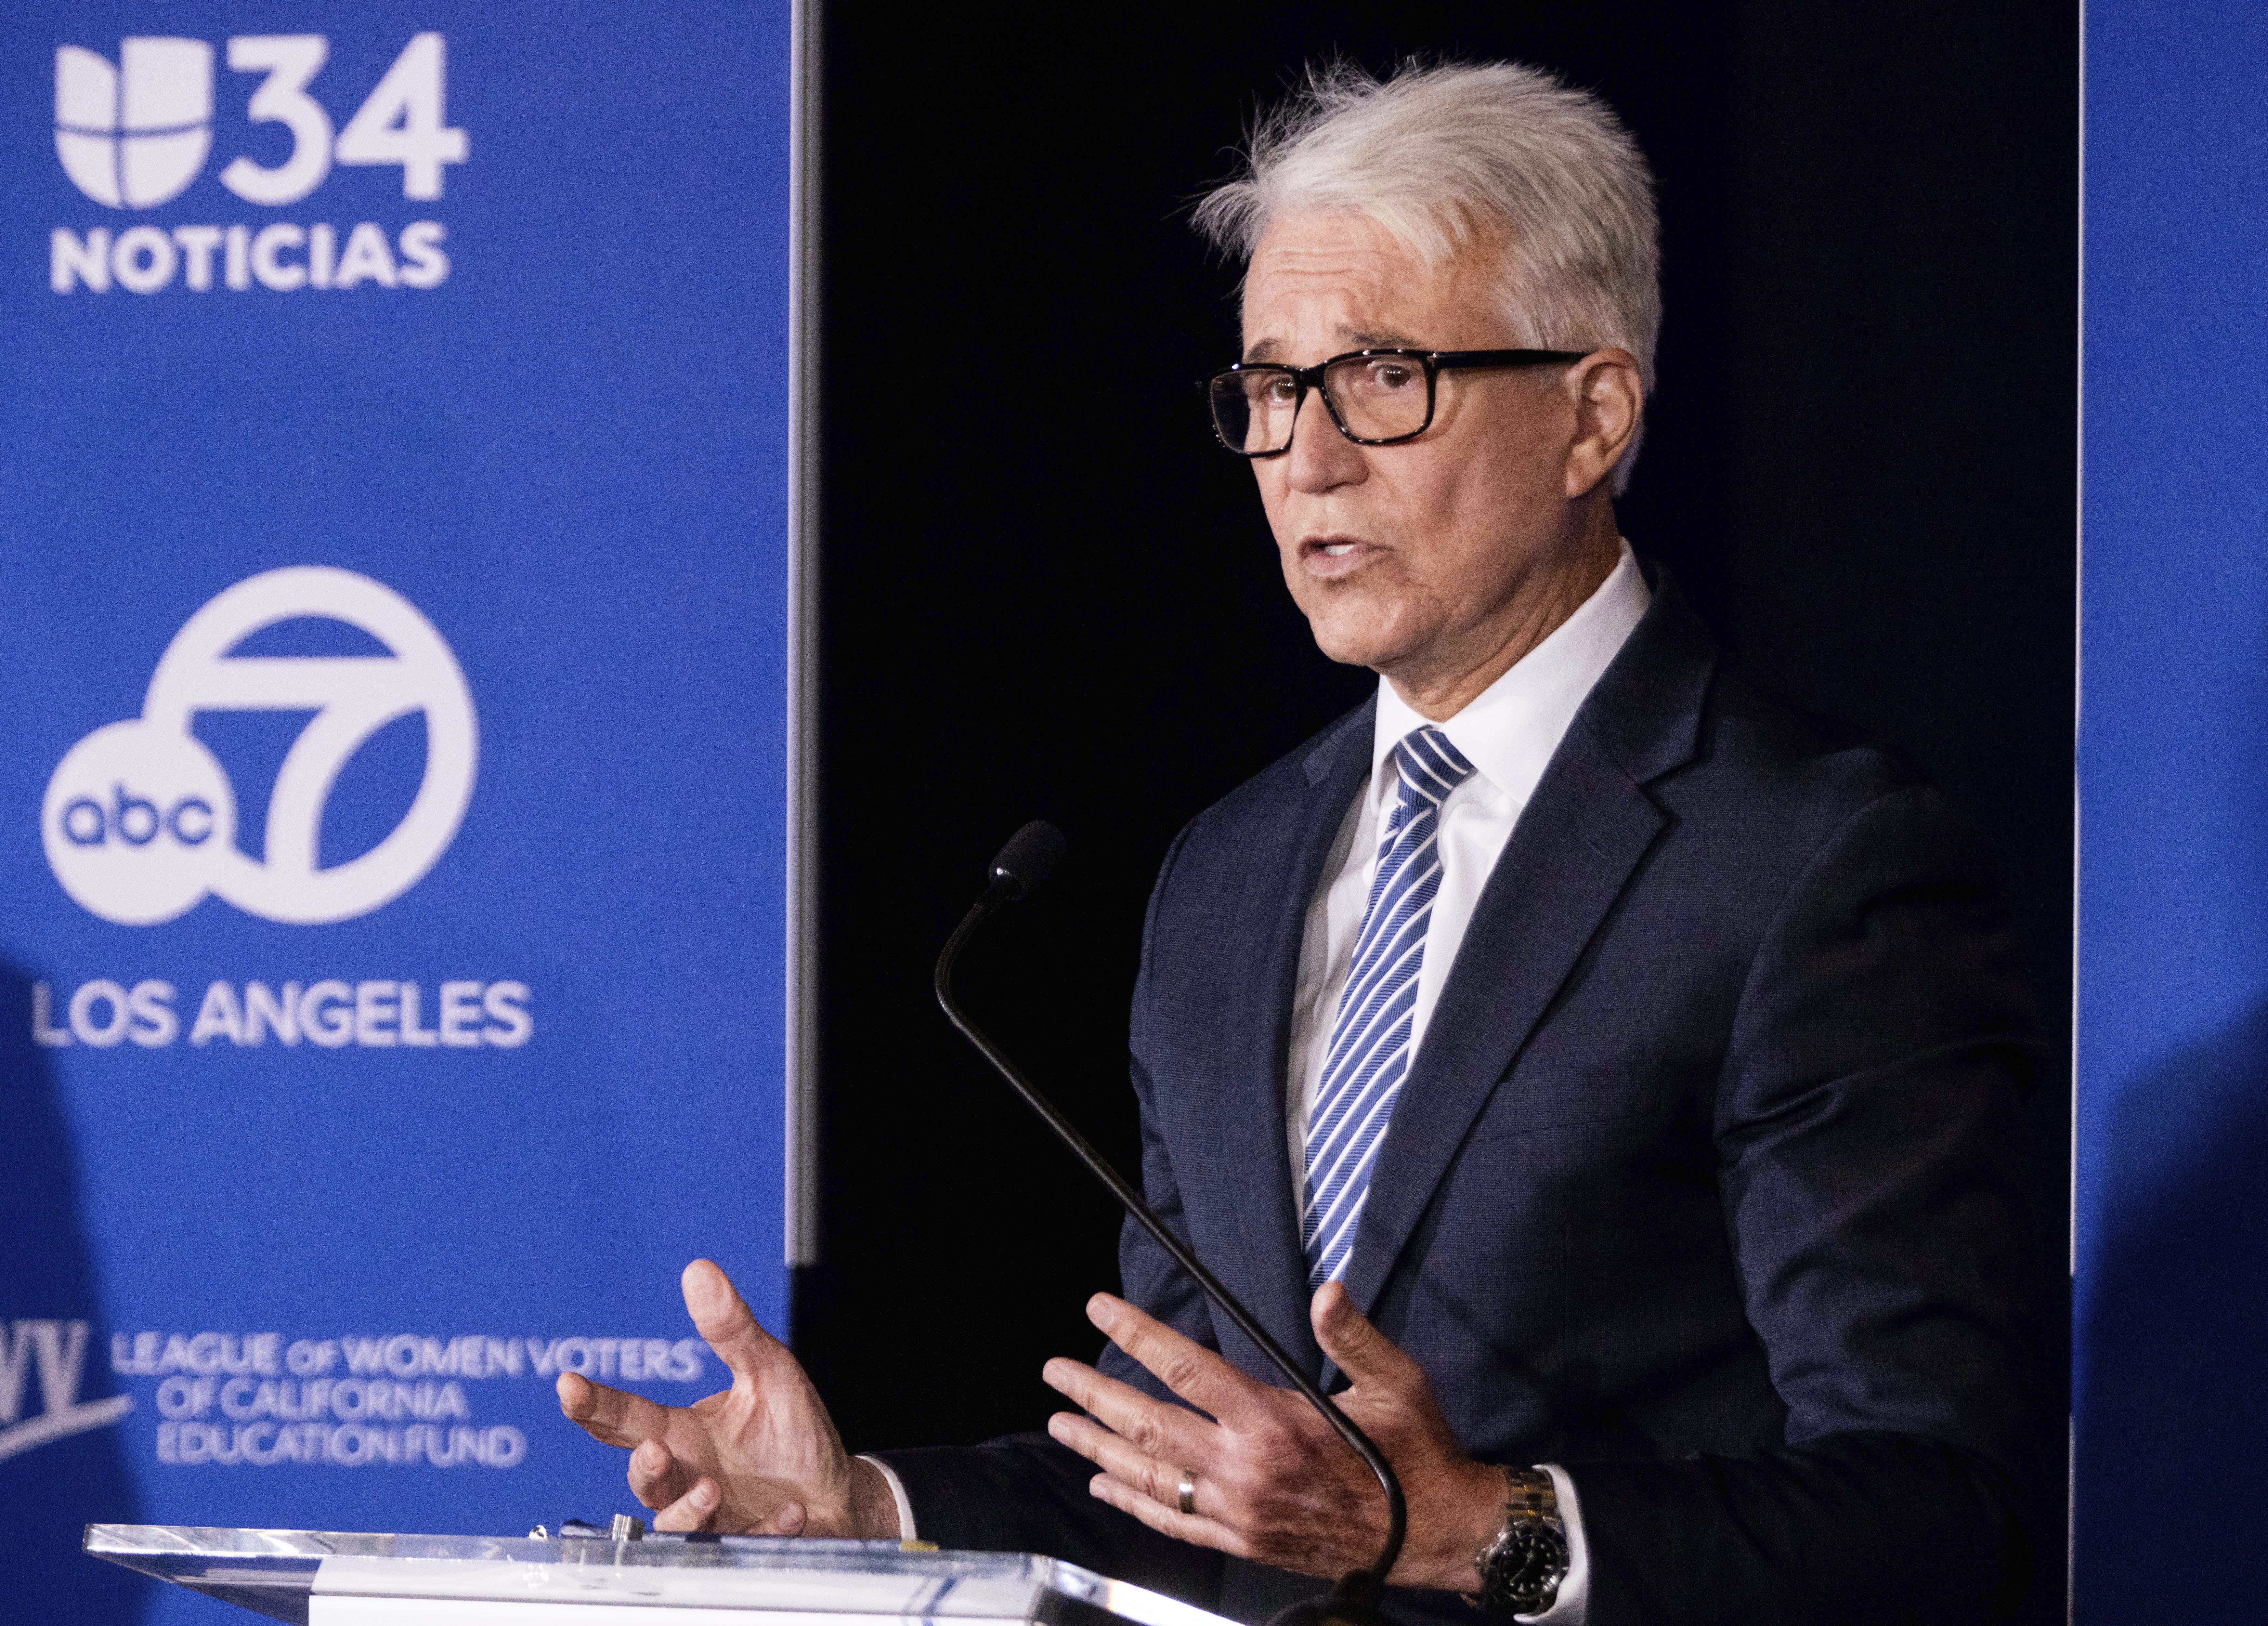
point(1023, 864)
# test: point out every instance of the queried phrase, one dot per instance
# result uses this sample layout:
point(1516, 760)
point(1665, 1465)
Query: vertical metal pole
point(2078, 702)
point(801, 995)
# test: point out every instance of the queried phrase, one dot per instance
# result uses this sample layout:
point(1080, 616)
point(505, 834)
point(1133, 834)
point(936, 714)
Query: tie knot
point(1429, 765)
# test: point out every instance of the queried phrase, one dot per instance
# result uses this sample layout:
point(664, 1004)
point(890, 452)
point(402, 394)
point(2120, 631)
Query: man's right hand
point(760, 1458)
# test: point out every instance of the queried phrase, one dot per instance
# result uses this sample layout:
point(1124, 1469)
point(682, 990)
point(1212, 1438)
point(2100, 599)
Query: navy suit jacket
point(1704, 1183)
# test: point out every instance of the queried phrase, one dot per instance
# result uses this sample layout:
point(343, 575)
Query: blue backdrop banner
point(393, 525)
point(2172, 1105)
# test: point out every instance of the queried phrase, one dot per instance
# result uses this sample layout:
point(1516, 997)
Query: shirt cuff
point(906, 1517)
point(1573, 1603)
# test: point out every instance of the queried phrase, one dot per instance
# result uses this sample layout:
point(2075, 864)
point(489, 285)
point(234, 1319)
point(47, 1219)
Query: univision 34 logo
point(134, 133)
point(139, 820)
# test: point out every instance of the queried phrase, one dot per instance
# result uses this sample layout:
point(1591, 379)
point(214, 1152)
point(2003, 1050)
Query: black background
point(1047, 594)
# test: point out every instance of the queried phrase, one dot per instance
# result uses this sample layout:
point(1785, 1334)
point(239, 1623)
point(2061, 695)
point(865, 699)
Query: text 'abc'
point(139, 821)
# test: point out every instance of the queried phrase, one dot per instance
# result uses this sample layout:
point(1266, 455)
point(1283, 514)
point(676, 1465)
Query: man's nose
point(1321, 457)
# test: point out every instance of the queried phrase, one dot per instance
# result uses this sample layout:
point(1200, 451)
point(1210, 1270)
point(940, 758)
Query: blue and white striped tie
point(1370, 1036)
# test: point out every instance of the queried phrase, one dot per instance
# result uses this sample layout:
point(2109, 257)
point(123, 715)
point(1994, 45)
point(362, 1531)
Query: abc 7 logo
point(139, 821)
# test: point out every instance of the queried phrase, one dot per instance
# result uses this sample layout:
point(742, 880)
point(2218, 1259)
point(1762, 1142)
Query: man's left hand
point(1274, 1481)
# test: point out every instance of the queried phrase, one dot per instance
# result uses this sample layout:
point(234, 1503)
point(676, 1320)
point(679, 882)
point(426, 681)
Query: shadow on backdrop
point(51, 1488)
point(2173, 1510)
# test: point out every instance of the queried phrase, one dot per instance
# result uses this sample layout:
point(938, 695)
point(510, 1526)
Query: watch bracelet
point(1534, 1538)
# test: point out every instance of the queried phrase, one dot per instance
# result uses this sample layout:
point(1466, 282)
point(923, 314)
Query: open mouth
point(1330, 557)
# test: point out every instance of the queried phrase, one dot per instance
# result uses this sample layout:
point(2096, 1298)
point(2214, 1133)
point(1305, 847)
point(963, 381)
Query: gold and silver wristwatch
point(1521, 1568)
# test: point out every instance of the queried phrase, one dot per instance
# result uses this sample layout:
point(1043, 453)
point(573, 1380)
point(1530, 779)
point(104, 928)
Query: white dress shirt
point(1508, 734)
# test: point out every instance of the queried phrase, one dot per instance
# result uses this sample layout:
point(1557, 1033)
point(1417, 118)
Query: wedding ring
point(1187, 1498)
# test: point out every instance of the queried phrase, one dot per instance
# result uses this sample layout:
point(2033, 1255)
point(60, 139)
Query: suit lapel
point(1287, 865)
point(1576, 844)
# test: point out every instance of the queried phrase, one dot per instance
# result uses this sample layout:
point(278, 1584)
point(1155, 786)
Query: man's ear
point(1608, 399)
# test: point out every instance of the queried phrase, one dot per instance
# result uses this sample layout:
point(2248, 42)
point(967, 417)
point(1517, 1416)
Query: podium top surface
point(292, 1574)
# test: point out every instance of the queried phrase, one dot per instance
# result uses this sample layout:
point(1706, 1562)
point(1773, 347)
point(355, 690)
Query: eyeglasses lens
point(1254, 409)
point(1379, 397)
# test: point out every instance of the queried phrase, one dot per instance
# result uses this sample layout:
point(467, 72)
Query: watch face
point(1525, 1572)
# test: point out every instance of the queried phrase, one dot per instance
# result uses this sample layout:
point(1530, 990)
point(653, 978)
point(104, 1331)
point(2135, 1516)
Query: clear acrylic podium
point(314, 1577)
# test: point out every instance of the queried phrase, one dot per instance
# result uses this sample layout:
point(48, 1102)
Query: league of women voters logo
point(140, 821)
point(57, 1350)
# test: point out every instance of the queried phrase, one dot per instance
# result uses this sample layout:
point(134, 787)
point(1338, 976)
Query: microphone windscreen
point(1031, 854)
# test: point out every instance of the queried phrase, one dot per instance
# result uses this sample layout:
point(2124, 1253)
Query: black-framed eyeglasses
point(1376, 397)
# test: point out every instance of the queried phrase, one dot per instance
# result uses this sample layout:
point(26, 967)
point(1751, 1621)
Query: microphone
point(1031, 854)
point(1029, 857)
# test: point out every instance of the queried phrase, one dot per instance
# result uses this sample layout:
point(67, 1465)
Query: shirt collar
point(1509, 729)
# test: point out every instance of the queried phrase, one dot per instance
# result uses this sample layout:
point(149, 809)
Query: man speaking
point(1607, 1077)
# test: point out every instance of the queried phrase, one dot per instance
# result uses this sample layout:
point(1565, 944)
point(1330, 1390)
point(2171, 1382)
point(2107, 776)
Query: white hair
point(1441, 155)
